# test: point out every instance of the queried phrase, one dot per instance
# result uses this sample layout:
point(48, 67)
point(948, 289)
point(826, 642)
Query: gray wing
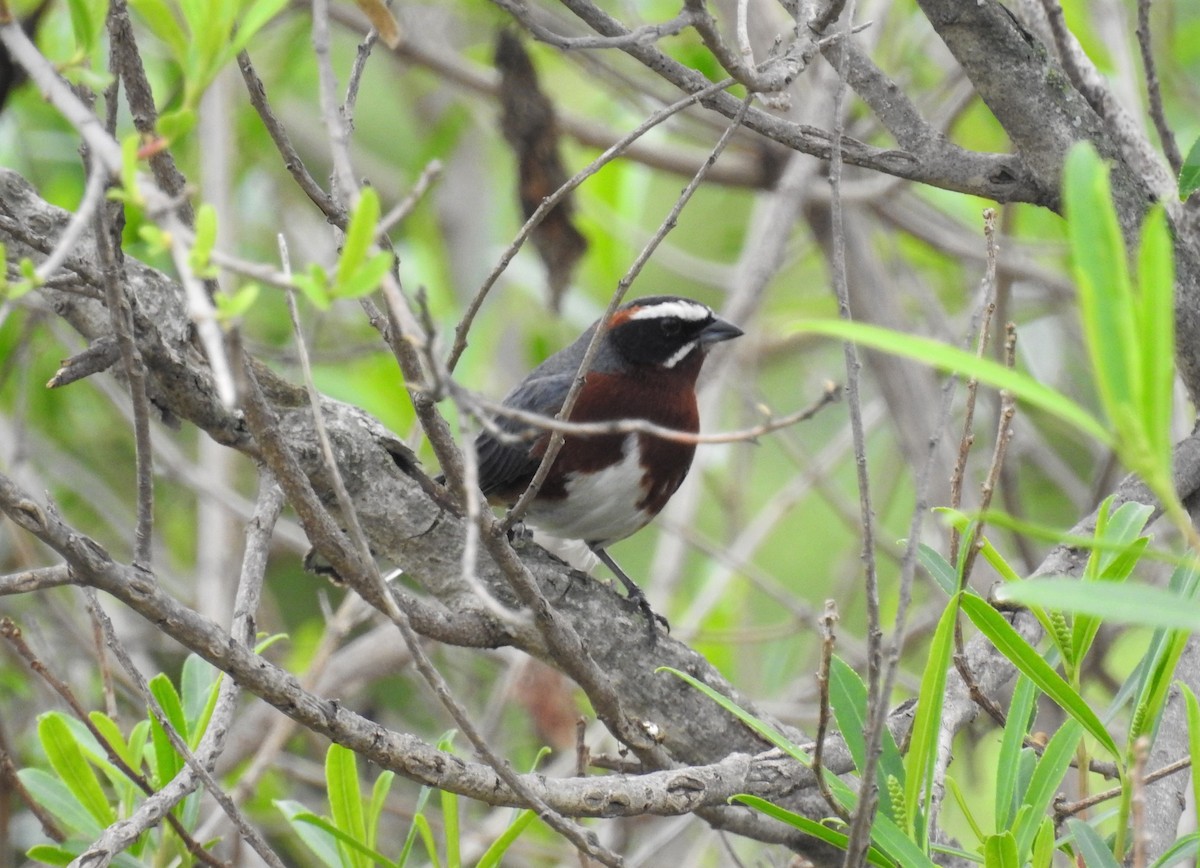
point(505, 466)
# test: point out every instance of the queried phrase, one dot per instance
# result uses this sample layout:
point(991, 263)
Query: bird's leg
point(633, 592)
point(519, 534)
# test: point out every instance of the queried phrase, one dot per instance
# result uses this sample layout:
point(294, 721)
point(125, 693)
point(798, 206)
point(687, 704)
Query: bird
point(603, 488)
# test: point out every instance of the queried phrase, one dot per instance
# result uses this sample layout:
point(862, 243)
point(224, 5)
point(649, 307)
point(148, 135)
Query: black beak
point(719, 330)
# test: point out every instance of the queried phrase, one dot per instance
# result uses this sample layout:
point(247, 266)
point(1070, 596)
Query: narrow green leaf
point(767, 731)
point(1091, 846)
point(1000, 851)
point(848, 699)
point(168, 700)
point(345, 802)
point(494, 854)
point(1144, 605)
point(939, 569)
point(922, 752)
point(255, 18)
point(811, 827)
point(450, 828)
point(360, 234)
point(1016, 726)
point(1184, 848)
point(358, 851)
point(53, 795)
point(1156, 321)
point(72, 767)
point(1193, 718)
point(167, 761)
point(321, 842)
point(421, 824)
point(112, 734)
point(1106, 304)
point(1043, 845)
point(1189, 175)
point(1047, 778)
point(1022, 655)
point(162, 22)
point(82, 25)
point(953, 359)
point(965, 808)
point(47, 854)
point(379, 793)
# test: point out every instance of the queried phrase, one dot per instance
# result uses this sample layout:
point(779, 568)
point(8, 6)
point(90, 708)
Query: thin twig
point(283, 143)
point(93, 196)
point(1064, 809)
point(828, 640)
point(863, 819)
point(486, 410)
point(121, 317)
point(1166, 135)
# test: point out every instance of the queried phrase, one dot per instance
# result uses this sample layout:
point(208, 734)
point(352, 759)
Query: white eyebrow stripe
point(688, 310)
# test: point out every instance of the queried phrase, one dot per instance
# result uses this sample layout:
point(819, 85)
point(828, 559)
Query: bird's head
point(666, 331)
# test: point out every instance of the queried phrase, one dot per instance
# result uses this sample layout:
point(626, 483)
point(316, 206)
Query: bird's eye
point(670, 326)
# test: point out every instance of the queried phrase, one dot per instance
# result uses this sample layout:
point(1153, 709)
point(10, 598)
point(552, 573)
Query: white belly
point(599, 507)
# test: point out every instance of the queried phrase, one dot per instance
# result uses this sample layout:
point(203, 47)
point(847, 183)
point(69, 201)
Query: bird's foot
point(519, 534)
point(653, 619)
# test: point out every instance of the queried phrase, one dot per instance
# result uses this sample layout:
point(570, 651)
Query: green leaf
point(938, 568)
point(53, 795)
point(1008, 764)
point(1189, 174)
point(82, 24)
point(494, 854)
point(360, 234)
point(315, 286)
point(768, 732)
point(848, 699)
point(965, 808)
point(421, 824)
point(450, 828)
point(168, 700)
point(174, 125)
point(379, 793)
point(1046, 780)
point(922, 752)
point(1185, 848)
point(1022, 655)
point(69, 763)
point(47, 854)
point(366, 278)
point(1139, 604)
point(1101, 273)
point(359, 852)
point(162, 22)
point(322, 843)
point(1000, 851)
point(811, 827)
point(1091, 846)
point(1193, 718)
point(108, 728)
point(345, 802)
point(1043, 845)
point(254, 19)
point(953, 359)
point(1156, 327)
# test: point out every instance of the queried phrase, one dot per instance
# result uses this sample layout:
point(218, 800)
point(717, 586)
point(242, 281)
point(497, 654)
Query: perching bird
point(603, 488)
